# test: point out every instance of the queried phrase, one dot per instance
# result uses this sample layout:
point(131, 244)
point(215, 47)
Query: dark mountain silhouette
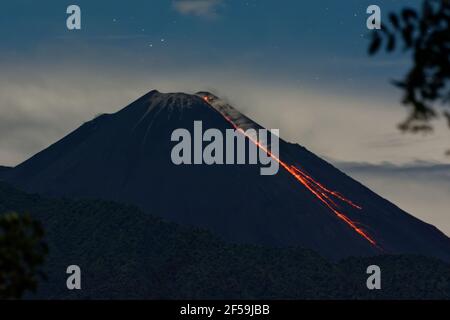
point(125, 253)
point(4, 170)
point(125, 157)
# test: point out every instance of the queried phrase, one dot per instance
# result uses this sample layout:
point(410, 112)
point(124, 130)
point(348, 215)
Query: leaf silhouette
point(375, 45)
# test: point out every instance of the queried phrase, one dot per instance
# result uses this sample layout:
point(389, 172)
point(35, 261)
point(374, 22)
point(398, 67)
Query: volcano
point(126, 157)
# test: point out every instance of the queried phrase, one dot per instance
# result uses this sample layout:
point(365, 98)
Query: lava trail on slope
point(322, 193)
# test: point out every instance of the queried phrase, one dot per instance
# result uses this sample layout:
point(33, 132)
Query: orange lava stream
point(318, 190)
point(334, 193)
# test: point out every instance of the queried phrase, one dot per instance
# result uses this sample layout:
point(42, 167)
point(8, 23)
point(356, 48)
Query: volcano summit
point(126, 157)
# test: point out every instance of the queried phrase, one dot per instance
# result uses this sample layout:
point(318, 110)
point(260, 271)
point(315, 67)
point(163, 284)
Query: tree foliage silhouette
point(22, 252)
point(426, 34)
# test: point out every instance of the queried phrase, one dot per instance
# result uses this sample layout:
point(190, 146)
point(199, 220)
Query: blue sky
point(296, 39)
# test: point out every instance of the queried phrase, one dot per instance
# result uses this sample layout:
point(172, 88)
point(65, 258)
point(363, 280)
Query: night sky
point(305, 41)
point(300, 66)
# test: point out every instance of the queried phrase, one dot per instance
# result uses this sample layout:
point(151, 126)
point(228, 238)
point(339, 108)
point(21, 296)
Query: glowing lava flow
point(324, 189)
point(317, 189)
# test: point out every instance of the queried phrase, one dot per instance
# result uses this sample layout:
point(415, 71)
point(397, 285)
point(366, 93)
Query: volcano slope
point(126, 157)
point(125, 253)
point(3, 171)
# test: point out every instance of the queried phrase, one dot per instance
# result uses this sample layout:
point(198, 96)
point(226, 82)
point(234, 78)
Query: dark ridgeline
point(4, 170)
point(125, 157)
point(125, 253)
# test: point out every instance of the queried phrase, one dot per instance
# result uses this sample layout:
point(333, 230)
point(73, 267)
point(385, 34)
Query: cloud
point(200, 8)
point(41, 102)
point(419, 188)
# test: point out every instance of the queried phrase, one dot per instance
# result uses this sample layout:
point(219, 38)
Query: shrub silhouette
point(426, 34)
point(22, 253)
